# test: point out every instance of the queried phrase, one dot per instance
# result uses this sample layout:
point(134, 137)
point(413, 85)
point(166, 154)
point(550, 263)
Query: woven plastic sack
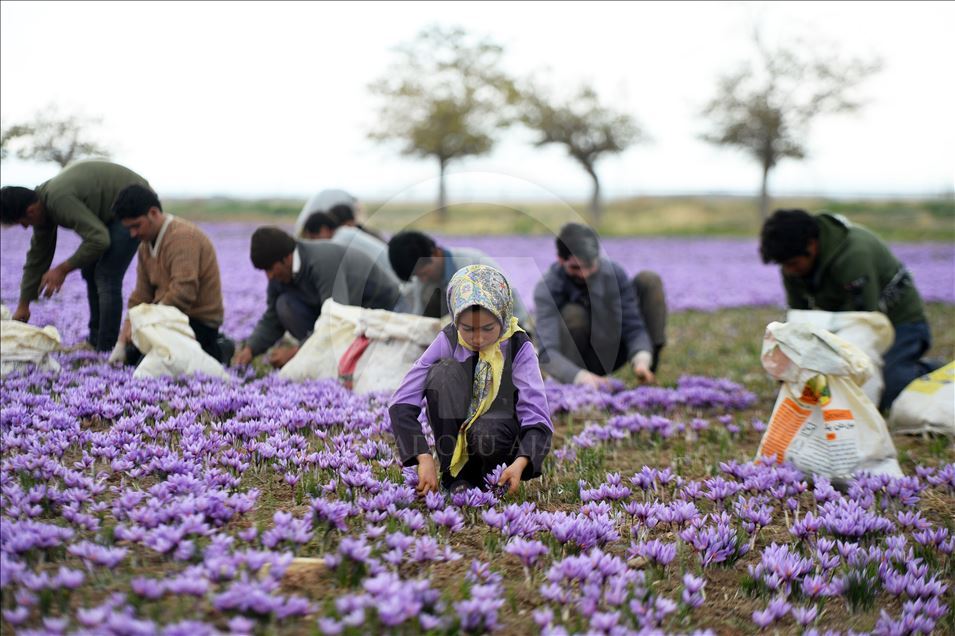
point(169, 346)
point(822, 421)
point(396, 341)
point(25, 347)
point(871, 331)
point(927, 405)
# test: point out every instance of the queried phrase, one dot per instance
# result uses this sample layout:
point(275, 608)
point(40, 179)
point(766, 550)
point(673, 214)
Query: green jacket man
point(79, 198)
point(830, 264)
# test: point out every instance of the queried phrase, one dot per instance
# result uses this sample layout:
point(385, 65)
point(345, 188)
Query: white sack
point(927, 405)
point(397, 341)
point(24, 346)
point(822, 421)
point(169, 346)
point(871, 331)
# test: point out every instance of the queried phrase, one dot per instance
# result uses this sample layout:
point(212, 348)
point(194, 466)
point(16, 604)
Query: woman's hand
point(511, 477)
point(427, 475)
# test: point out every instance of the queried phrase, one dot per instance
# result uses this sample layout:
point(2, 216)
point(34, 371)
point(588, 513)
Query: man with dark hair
point(428, 267)
point(344, 215)
point(830, 264)
point(341, 207)
point(592, 319)
point(79, 198)
point(323, 201)
point(319, 226)
point(177, 266)
point(302, 276)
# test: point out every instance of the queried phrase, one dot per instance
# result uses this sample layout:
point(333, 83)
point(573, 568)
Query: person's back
point(348, 275)
point(856, 271)
point(96, 184)
point(354, 238)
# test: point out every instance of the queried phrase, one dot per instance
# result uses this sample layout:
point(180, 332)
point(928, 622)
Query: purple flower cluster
point(698, 283)
point(217, 488)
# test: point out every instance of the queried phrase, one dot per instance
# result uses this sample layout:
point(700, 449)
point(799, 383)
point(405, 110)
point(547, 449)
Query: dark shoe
point(458, 485)
point(226, 349)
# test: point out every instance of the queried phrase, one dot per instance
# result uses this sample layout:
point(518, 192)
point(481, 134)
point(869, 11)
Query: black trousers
point(491, 440)
point(206, 336)
point(652, 305)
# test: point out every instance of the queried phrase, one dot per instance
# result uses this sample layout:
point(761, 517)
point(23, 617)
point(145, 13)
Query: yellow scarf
point(487, 376)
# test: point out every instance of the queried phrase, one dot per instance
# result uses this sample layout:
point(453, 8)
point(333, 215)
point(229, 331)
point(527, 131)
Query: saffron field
point(197, 506)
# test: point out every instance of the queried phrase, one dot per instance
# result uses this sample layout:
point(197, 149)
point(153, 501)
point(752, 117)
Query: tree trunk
point(595, 206)
point(764, 195)
point(442, 210)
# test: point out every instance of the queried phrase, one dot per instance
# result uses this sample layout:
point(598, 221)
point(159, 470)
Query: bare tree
point(8, 134)
point(60, 138)
point(586, 128)
point(445, 98)
point(766, 108)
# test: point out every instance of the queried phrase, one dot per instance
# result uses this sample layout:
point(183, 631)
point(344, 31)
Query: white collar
point(296, 262)
point(154, 248)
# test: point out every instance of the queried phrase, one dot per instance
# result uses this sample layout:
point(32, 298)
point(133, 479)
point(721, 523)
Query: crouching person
point(481, 383)
point(176, 265)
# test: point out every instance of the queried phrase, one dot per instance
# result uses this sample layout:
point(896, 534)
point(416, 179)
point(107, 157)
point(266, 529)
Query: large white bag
point(927, 405)
point(871, 331)
point(395, 342)
point(822, 421)
point(24, 346)
point(169, 346)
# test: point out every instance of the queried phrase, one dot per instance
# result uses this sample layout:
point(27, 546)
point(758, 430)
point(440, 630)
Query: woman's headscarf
point(484, 287)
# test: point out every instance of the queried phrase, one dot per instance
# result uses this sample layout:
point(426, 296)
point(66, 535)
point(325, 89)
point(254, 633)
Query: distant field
point(896, 220)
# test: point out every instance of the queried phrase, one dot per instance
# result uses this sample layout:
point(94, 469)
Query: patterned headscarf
point(485, 287)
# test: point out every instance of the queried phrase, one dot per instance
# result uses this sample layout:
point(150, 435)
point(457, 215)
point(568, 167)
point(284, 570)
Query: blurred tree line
point(446, 97)
point(53, 136)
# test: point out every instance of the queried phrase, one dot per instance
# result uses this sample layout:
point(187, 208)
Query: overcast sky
point(255, 99)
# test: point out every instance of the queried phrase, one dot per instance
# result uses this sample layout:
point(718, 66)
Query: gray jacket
point(615, 318)
point(326, 270)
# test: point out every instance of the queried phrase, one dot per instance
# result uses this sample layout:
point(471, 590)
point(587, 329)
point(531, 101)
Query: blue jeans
point(903, 359)
point(104, 286)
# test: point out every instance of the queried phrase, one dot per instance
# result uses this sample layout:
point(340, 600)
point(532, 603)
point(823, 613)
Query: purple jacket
point(531, 410)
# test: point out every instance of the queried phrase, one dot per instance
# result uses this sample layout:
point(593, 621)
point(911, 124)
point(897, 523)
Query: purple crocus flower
point(527, 551)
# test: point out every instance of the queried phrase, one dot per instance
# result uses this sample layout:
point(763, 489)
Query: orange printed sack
point(822, 421)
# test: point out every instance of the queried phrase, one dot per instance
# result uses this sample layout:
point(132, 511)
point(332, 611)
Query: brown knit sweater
point(183, 272)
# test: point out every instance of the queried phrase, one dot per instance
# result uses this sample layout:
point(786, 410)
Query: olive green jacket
point(79, 198)
point(855, 271)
